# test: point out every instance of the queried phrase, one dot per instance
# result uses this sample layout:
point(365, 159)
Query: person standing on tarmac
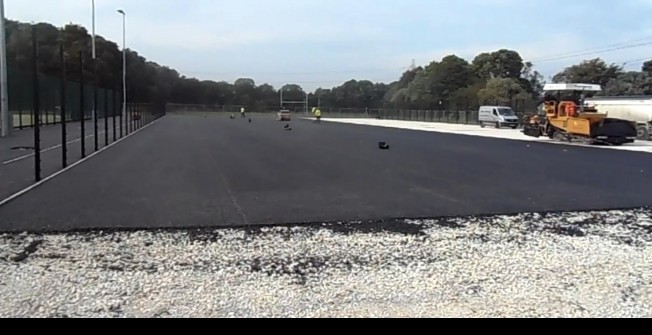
point(317, 112)
point(242, 112)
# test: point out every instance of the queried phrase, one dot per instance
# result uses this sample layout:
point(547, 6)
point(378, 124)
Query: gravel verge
point(596, 264)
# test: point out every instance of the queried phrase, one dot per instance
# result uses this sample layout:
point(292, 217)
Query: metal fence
point(20, 88)
point(440, 116)
point(84, 114)
point(455, 117)
point(193, 108)
point(232, 109)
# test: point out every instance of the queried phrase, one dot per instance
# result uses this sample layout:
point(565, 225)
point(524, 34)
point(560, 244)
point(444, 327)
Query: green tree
point(433, 87)
point(628, 83)
point(267, 96)
point(323, 97)
point(499, 64)
point(419, 93)
point(245, 92)
point(293, 92)
point(466, 98)
point(532, 81)
point(503, 92)
point(647, 67)
point(594, 71)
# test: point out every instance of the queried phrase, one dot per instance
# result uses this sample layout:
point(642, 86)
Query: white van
point(498, 116)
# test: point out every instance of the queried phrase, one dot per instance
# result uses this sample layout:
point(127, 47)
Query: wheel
point(482, 124)
point(514, 126)
point(559, 136)
point(498, 125)
point(642, 133)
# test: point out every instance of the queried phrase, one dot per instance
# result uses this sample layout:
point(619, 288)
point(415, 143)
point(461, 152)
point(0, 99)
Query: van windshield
point(506, 111)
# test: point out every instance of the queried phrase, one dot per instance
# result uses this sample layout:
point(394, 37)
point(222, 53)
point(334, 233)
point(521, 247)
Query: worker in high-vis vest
point(242, 112)
point(317, 112)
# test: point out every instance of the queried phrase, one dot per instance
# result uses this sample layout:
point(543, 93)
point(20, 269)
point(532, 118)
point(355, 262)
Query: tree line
point(501, 77)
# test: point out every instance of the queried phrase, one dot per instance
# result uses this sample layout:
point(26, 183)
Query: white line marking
point(43, 181)
point(47, 149)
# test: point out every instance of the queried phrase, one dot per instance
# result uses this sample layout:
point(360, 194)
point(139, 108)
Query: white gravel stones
point(595, 264)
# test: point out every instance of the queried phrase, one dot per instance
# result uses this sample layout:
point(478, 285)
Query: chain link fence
point(192, 108)
point(177, 108)
point(440, 116)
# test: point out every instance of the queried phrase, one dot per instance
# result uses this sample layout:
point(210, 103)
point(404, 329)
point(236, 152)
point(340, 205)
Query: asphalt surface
point(17, 165)
point(187, 171)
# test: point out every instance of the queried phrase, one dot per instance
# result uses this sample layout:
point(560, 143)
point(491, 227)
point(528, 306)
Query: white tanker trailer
point(635, 108)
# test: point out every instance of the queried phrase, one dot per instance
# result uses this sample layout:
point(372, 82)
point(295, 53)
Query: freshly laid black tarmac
point(17, 166)
point(195, 171)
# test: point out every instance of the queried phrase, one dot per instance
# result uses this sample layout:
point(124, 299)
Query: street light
point(93, 28)
point(124, 62)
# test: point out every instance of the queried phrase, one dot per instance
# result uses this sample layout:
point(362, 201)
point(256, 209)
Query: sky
point(323, 43)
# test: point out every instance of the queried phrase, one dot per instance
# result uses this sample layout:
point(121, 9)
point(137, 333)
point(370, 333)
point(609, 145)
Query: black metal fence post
point(128, 119)
point(36, 107)
point(62, 108)
point(134, 117)
point(106, 117)
point(139, 117)
point(131, 118)
point(82, 103)
point(95, 120)
point(121, 116)
point(115, 114)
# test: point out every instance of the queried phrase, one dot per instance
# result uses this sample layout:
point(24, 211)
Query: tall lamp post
point(5, 117)
point(124, 62)
point(93, 29)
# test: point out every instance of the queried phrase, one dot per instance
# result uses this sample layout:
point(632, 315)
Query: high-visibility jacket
point(317, 112)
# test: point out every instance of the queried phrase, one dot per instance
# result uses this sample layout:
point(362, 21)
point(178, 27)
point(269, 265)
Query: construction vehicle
point(565, 117)
point(637, 109)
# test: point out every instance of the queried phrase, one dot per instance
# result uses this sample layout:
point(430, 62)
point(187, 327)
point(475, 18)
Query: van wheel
point(498, 125)
point(514, 126)
point(482, 124)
